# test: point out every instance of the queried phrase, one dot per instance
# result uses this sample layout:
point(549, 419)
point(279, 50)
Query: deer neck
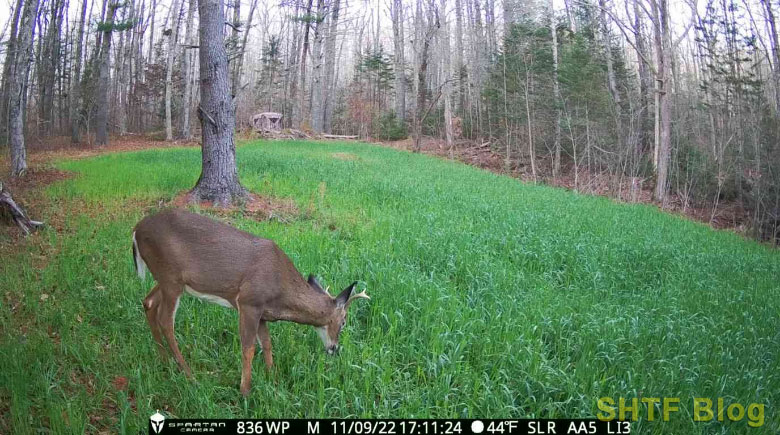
point(306, 306)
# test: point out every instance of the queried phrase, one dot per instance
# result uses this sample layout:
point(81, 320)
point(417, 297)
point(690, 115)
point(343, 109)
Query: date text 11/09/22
point(412, 427)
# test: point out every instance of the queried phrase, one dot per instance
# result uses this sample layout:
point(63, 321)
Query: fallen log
point(338, 136)
point(17, 214)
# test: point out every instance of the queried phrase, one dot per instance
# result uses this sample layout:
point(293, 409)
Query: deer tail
point(140, 265)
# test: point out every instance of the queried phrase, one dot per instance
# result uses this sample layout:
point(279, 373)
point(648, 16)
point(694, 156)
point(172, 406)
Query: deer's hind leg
point(265, 341)
point(151, 304)
point(166, 317)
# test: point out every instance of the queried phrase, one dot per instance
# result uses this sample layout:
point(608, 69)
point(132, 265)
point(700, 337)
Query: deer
point(213, 261)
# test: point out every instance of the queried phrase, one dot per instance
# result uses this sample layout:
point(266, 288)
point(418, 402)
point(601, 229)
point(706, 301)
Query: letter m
point(314, 427)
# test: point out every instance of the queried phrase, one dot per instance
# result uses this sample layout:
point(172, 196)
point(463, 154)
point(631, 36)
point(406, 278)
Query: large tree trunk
point(17, 82)
point(218, 180)
point(398, 60)
point(102, 108)
point(189, 38)
point(75, 82)
point(172, 49)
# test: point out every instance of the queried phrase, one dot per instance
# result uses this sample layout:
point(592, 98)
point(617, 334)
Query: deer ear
point(313, 282)
point(344, 296)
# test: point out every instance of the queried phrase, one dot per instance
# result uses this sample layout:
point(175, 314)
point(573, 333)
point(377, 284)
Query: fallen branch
point(338, 136)
point(17, 214)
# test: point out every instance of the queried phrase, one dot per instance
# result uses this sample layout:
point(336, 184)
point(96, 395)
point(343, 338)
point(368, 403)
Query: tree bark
point(218, 180)
point(18, 80)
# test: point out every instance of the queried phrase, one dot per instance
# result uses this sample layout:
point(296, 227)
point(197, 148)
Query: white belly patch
point(208, 298)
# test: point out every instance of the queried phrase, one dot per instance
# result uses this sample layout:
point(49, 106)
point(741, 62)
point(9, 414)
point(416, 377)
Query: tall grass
point(490, 298)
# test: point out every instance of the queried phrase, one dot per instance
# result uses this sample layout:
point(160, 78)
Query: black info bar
point(158, 424)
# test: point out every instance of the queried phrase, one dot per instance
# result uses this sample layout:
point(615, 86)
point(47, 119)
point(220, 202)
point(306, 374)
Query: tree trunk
point(75, 81)
point(330, 65)
point(10, 58)
point(663, 112)
point(317, 70)
point(459, 68)
point(189, 37)
point(232, 61)
point(17, 85)
point(556, 93)
point(447, 66)
point(302, 109)
point(103, 104)
point(172, 49)
point(422, 87)
point(242, 49)
point(47, 67)
point(218, 180)
point(398, 60)
point(611, 81)
point(645, 116)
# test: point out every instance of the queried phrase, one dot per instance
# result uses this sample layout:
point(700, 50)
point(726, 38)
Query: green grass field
point(490, 298)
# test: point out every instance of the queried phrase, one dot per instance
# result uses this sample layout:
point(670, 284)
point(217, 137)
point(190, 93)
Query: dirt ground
point(41, 152)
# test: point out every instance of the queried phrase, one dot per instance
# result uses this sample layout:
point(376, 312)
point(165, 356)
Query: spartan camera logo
point(157, 420)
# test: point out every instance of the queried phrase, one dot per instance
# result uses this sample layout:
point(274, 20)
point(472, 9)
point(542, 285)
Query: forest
point(675, 103)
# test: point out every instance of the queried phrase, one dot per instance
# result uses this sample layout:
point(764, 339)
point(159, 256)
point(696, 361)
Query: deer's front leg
point(151, 305)
point(248, 324)
point(265, 341)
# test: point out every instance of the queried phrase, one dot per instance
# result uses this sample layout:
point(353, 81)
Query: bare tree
point(218, 180)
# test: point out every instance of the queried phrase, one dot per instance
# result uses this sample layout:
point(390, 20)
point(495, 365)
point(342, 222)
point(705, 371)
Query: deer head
point(336, 318)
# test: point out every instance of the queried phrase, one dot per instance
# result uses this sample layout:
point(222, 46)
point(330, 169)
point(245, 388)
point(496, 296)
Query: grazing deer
point(216, 262)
